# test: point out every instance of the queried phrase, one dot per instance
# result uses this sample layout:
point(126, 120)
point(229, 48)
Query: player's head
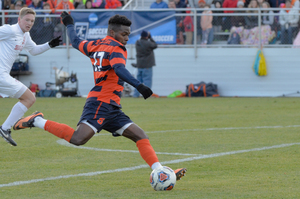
point(26, 19)
point(119, 28)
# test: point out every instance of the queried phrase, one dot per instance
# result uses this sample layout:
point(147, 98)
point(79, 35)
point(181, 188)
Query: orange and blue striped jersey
point(106, 55)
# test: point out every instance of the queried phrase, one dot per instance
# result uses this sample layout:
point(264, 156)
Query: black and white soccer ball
point(163, 179)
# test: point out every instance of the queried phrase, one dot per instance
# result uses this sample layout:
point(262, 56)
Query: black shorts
point(104, 116)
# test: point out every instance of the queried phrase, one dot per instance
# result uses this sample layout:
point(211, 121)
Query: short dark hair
point(116, 21)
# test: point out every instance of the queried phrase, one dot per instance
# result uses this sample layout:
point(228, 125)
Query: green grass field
point(232, 148)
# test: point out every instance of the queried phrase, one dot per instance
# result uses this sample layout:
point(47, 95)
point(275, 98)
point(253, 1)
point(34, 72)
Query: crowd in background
point(47, 27)
point(63, 4)
point(281, 26)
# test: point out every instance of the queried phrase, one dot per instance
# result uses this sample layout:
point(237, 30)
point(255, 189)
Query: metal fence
point(243, 28)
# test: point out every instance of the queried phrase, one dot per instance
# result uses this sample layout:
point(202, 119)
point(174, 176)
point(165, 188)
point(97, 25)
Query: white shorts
point(119, 131)
point(10, 87)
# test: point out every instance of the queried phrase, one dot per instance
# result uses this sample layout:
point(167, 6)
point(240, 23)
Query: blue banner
point(161, 25)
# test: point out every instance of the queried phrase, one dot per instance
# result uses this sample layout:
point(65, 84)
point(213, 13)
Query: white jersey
point(12, 41)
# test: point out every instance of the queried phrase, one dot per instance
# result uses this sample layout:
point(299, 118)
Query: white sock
point(16, 113)
point(156, 165)
point(39, 122)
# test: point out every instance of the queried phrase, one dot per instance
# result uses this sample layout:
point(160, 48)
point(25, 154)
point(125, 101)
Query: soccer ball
point(163, 179)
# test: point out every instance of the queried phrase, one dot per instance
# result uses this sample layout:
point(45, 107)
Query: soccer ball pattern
point(163, 179)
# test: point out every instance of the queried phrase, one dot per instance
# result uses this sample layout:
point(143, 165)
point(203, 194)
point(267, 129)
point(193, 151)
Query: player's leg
point(26, 101)
point(136, 134)
point(83, 133)
point(15, 89)
point(80, 136)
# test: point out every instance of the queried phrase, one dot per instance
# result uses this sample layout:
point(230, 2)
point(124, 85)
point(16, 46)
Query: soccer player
point(102, 109)
point(14, 38)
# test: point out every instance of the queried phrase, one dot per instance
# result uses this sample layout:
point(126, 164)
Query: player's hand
point(144, 90)
point(66, 18)
point(55, 42)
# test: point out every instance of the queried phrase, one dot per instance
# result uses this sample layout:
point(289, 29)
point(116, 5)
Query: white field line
point(65, 143)
point(17, 183)
point(216, 129)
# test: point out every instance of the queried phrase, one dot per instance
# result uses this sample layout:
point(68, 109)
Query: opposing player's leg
point(77, 137)
point(15, 89)
point(6, 136)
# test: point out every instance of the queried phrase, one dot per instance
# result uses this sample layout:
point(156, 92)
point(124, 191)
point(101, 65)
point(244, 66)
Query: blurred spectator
point(65, 5)
point(206, 26)
point(78, 4)
point(252, 20)
point(27, 2)
point(217, 19)
point(12, 4)
point(98, 4)
point(234, 37)
point(124, 2)
point(260, 3)
point(145, 60)
point(238, 20)
point(36, 5)
point(201, 4)
point(6, 4)
point(288, 20)
point(43, 28)
point(188, 24)
point(275, 3)
point(159, 4)
point(267, 15)
point(180, 4)
point(293, 2)
point(112, 4)
point(179, 25)
point(88, 4)
point(52, 4)
point(227, 20)
point(17, 6)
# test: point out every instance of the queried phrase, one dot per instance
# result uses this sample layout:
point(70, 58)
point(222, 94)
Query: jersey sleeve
point(33, 48)
point(118, 61)
point(77, 43)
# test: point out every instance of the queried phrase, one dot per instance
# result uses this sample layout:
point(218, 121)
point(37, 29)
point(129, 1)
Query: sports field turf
point(232, 148)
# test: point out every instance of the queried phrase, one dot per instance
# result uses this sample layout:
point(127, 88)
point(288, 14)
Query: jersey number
point(98, 57)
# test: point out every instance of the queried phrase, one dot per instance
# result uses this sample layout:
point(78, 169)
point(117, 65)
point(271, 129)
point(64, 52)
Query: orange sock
point(146, 151)
point(59, 130)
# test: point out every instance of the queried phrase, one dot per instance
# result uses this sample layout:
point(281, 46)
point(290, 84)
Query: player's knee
point(32, 100)
point(78, 141)
point(141, 136)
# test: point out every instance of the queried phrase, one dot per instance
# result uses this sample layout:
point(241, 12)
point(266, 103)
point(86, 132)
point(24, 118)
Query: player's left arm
point(125, 75)
point(34, 49)
point(117, 61)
